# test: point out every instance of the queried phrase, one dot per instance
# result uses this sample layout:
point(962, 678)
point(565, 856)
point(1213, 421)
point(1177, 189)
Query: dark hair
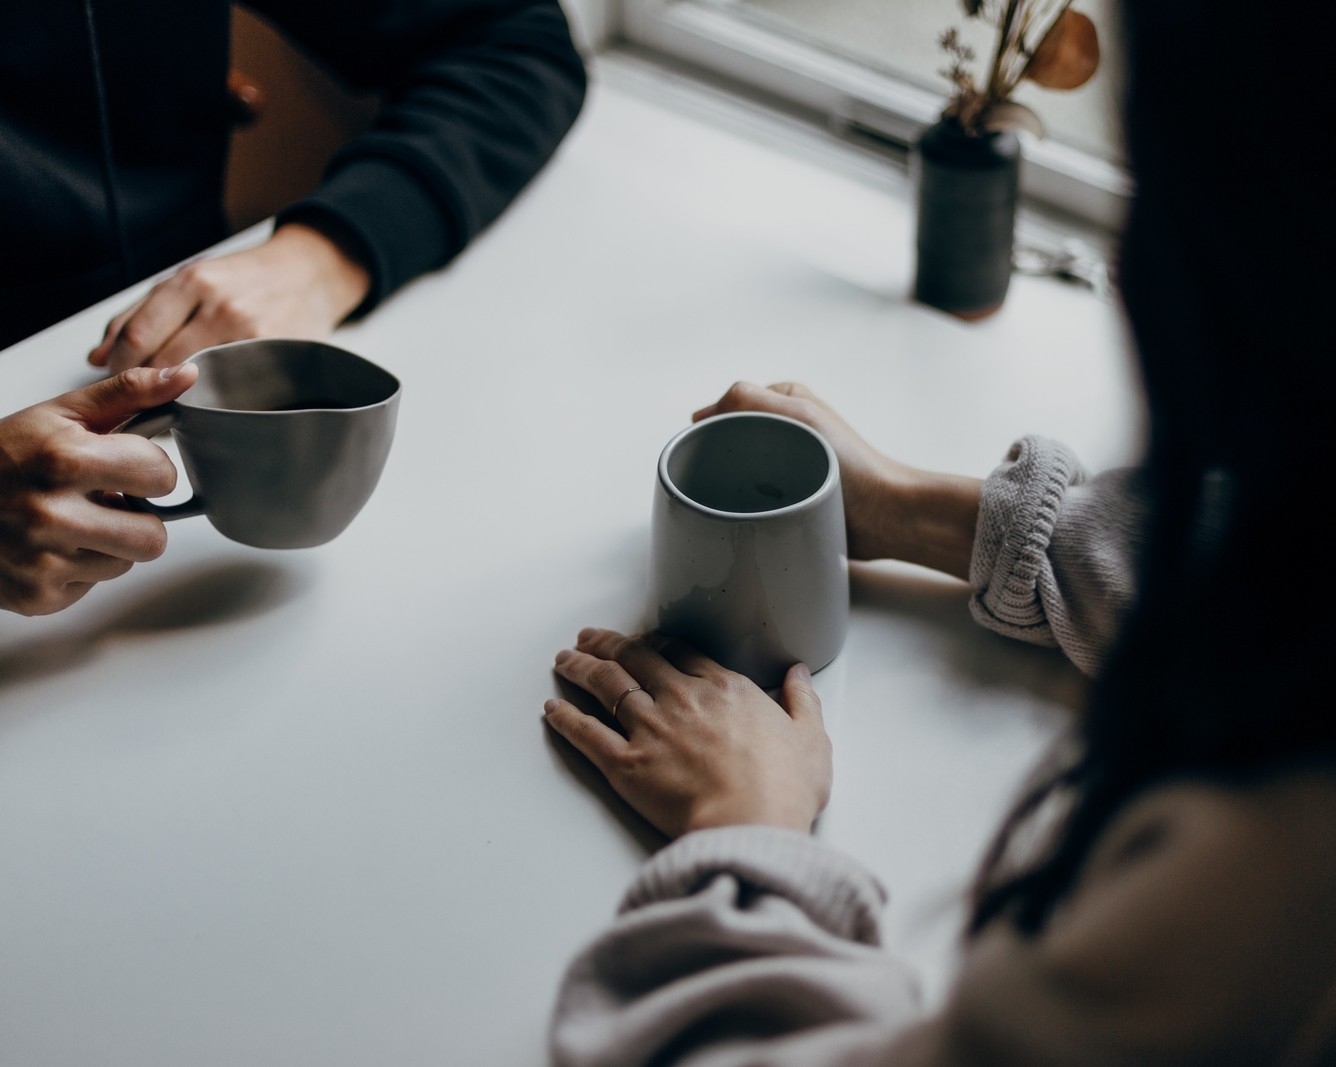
point(1229, 278)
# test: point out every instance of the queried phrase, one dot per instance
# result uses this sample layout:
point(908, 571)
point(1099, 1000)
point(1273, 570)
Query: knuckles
point(37, 587)
point(197, 278)
point(604, 674)
point(727, 684)
point(58, 463)
point(210, 287)
point(632, 762)
point(629, 647)
point(799, 402)
point(237, 315)
point(136, 336)
point(29, 516)
point(207, 287)
point(736, 396)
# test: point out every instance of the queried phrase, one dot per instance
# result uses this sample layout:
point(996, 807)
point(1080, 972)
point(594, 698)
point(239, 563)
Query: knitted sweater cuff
point(835, 892)
point(1017, 513)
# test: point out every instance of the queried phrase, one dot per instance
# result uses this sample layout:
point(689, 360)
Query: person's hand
point(867, 477)
point(299, 283)
point(892, 511)
point(62, 528)
point(700, 746)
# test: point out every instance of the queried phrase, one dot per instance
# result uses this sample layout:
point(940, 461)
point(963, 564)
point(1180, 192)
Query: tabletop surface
point(300, 807)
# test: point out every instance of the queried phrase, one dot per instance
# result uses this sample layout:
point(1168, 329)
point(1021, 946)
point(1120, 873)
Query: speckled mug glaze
point(749, 558)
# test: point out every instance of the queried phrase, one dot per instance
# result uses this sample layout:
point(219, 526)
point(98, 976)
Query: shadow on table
point(976, 655)
point(224, 592)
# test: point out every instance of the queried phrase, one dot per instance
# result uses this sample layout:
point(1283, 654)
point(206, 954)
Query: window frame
point(853, 98)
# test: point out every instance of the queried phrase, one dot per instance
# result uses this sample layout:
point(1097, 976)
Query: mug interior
point(748, 463)
point(286, 375)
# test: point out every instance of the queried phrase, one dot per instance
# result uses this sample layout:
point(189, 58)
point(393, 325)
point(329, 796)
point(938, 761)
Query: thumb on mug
point(104, 405)
point(798, 697)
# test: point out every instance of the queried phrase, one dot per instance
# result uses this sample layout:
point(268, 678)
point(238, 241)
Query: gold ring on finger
point(622, 696)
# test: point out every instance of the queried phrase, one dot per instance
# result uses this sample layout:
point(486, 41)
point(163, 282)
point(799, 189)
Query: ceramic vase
point(967, 187)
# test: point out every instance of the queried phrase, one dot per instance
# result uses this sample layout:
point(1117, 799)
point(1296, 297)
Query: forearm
point(891, 511)
point(925, 518)
point(478, 95)
point(1049, 552)
point(338, 279)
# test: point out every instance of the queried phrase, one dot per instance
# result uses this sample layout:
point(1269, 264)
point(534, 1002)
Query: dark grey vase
point(967, 189)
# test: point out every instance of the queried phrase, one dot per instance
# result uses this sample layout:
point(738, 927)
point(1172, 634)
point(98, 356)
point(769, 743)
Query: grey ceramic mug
point(283, 440)
point(749, 557)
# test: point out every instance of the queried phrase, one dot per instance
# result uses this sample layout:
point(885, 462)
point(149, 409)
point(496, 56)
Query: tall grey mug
point(283, 441)
point(749, 558)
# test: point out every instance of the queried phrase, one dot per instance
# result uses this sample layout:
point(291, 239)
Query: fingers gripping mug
point(283, 440)
point(749, 556)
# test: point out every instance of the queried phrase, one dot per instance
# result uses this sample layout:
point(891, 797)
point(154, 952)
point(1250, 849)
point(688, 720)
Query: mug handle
point(150, 423)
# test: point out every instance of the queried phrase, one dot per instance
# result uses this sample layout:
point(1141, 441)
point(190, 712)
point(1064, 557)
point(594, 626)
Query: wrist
point(336, 273)
point(939, 513)
point(715, 815)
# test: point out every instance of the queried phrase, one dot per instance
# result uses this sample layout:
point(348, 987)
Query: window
point(872, 66)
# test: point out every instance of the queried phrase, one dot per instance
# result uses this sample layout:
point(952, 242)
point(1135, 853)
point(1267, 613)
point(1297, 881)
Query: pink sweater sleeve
point(745, 944)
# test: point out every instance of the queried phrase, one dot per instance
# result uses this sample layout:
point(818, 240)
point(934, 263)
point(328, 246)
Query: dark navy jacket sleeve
point(477, 95)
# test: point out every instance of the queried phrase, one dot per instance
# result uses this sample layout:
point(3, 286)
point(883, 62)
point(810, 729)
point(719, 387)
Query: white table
point(282, 808)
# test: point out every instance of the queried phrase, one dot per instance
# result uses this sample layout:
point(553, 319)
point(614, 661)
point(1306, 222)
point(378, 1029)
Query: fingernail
point(549, 706)
point(169, 372)
point(803, 672)
point(587, 634)
point(564, 655)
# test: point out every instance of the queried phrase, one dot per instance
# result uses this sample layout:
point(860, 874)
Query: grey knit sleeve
point(1055, 551)
point(739, 945)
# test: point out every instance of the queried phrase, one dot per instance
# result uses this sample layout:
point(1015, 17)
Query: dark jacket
point(115, 124)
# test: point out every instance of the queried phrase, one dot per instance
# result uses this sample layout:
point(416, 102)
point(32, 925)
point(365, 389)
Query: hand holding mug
point(892, 511)
point(699, 746)
point(283, 440)
point(748, 554)
point(62, 474)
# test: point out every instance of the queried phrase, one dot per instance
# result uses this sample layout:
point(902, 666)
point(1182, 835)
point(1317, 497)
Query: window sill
point(845, 148)
point(857, 101)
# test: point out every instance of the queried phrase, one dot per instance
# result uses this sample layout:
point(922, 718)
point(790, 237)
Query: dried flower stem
point(1022, 28)
point(1039, 18)
point(999, 53)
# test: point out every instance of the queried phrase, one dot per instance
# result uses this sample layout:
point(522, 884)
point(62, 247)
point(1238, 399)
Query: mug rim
point(184, 401)
point(814, 499)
